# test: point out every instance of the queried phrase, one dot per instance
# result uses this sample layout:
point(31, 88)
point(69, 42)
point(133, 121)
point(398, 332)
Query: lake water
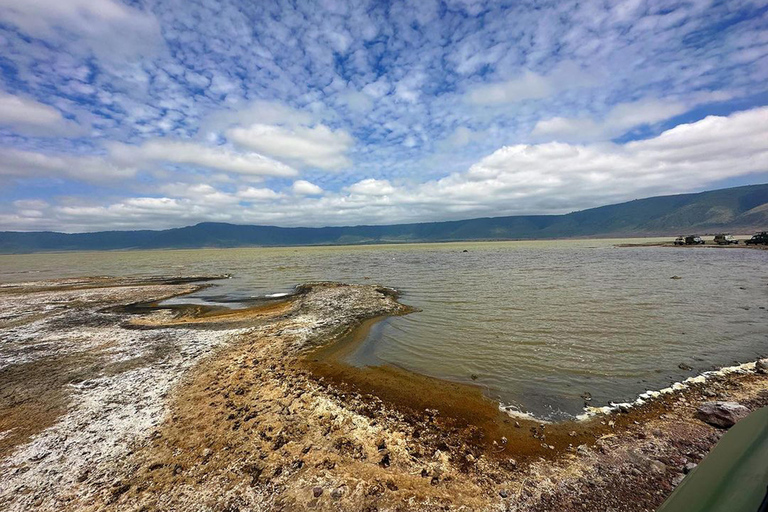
point(537, 323)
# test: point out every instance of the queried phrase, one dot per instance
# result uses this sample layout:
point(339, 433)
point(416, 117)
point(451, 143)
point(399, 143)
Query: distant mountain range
point(740, 209)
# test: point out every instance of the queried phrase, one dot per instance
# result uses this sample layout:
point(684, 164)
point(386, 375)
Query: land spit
point(109, 401)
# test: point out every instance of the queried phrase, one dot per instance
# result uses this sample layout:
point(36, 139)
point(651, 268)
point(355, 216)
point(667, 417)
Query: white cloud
point(29, 164)
point(685, 157)
point(108, 28)
point(216, 157)
point(258, 194)
point(617, 121)
point(317, 146)
point(30, 204)
point(256, 112)
point(532, 86)
point(305, 188)
point(357, 102)
point(30, 117)
point(372, 187)
point(520, 179)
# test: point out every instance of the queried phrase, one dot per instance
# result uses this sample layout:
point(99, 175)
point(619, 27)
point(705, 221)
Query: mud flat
point(111, 402)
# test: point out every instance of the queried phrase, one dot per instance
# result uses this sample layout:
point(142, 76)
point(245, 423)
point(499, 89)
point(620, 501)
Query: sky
point(150, 114)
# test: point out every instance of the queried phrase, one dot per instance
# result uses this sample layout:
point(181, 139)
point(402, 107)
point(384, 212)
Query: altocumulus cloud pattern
point(152, 114)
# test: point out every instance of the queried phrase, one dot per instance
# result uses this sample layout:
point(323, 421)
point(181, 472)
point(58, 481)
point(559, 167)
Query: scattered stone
point(762, 366)
point(337, 493)
point(504, 493)
point(721, 414)
point(685, 367)
point(678, 479)
point(658, 467)
point(317, 491)
point(689, 467)
point(583, 449)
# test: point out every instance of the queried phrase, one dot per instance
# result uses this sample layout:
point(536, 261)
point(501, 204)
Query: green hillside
point(738, 210)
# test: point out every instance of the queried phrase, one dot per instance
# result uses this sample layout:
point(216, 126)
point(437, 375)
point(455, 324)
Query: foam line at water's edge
point(674, 388)
point(643, 398)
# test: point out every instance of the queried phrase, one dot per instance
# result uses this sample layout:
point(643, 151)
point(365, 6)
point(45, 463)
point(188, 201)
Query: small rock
point(685, 367)
point(470, 458)
point(677, 480)
point(721, 414)
point(675, 277)
point(762, 366)
point(582, 449)
point(317, 491)
point(517, 424)
point(689, 467)
point(337, 493)
point(572, 433)
point(503, 493)
point(658, 467)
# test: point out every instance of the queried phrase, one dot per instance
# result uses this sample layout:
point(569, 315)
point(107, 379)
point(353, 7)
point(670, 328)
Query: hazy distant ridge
point(743, 209)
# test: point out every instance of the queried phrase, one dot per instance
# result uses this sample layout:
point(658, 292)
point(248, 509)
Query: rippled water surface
point(537, 324)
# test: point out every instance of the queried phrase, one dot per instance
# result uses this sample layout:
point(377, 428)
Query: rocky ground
point(110, 403)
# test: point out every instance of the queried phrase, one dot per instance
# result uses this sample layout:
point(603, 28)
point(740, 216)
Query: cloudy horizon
point(151, 114)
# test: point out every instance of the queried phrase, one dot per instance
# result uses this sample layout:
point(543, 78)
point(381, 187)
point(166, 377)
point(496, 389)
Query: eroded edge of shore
point(428, 460)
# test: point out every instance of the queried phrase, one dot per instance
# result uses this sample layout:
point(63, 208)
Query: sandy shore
point(108, 402)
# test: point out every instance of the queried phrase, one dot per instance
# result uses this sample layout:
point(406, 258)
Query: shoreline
point(184, 407)
point(706, 245)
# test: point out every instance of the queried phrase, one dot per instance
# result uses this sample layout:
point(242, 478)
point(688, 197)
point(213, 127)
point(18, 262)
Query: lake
point(537, 324)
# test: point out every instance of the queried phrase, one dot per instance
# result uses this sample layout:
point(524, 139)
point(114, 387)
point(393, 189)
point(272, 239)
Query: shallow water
point(536, 323)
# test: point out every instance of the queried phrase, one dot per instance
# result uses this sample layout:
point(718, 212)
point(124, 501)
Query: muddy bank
point(206, 409)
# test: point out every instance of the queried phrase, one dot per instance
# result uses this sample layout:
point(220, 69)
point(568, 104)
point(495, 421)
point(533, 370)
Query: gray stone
point(658, 467)
point(762, 366)
point(721, 414)
point(689, 467)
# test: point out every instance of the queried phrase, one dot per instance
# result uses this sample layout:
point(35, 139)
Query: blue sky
point(152, 114)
